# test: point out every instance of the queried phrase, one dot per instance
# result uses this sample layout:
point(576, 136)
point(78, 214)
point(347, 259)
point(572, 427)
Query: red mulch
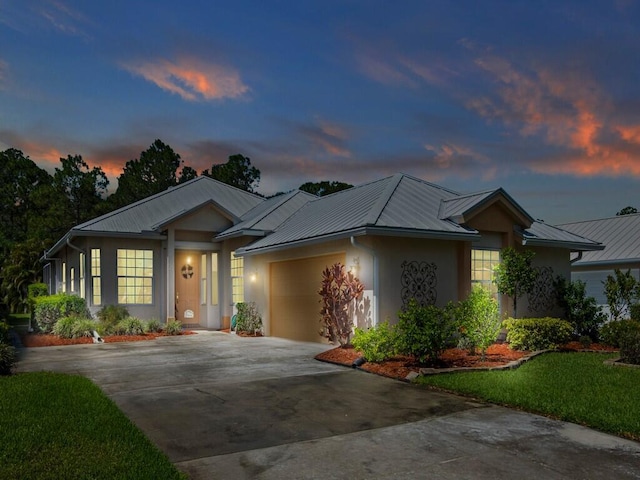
point(42, 340)
point(400, 366)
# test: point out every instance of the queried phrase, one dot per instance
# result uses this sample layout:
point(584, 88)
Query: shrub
point(612, 332)
point(425, 331)
point(74, 327)
point(34, 291)
point(64, 327)
point(129, 326)
point(630, 346)
point(152, 326)
point(537, 333)
point(377, 344)
point(4, 332)
point(50, 308)
point(173, 327)
point(248, 319)
point(634, 311)
point(621, 289)
point(479, 319)
point(581, 311)
point(83, 327)
point(8, 358)
point(340, 291)
point(110, 316)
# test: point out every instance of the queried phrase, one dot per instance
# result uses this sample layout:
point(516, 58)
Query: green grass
point(576, 387)
point(62, 426)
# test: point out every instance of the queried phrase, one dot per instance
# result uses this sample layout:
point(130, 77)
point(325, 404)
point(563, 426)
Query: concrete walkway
point(226, 407)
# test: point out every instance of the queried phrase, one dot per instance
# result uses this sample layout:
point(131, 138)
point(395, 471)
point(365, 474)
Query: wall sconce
point(253, 277)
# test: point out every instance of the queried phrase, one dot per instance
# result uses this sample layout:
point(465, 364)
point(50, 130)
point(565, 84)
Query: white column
point(171, 274)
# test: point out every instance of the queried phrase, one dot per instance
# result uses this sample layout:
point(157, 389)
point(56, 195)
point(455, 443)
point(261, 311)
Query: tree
point(237, 172)
point(154, 172)
point(84, 188)
point(324, 188)
point(580, 310)
point(621, 289)
point(627, 211)
point(21, 269)
point(514, 275)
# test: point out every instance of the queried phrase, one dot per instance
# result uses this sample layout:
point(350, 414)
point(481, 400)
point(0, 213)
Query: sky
point(541, 98)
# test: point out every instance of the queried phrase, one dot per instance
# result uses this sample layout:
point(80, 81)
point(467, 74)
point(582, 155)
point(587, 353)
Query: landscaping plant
point(109, 316)
point(8, 358)
point(514, 275)
point(621, 290)
point(630, 346)
point(340, 291)
point(50, 308)
point(173, 327)
point(248, 319)
point(479, 319)
point(426, 331)
point(377, 344)
point(614, 331)
point(537, 333)
point(152, 326)
point(129, 326)
point(581, 311)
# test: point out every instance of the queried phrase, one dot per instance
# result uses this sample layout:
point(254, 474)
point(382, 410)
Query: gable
point(205, 219)
point(494, 218)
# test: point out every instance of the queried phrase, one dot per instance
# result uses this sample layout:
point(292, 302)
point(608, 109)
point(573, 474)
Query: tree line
point(37, 208)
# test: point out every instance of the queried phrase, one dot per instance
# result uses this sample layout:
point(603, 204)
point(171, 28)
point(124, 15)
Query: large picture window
point(135, 276)
point(96, 280)
point(482, 264)
point(237, 278)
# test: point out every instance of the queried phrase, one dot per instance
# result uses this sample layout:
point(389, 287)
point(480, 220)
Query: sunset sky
point(541, 98)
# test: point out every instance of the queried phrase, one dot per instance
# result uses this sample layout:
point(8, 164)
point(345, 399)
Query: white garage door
point(295, 303)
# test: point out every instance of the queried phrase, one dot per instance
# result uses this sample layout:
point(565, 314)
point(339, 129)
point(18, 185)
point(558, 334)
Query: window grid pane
point(96, 284)
point(237, 278)
point(482, 264)
point(135, 276)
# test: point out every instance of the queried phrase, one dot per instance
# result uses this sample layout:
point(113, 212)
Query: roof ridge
point(382, 201)
point(612, 217)
point(287, 198)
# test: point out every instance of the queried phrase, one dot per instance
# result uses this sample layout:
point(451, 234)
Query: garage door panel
point(294, 299)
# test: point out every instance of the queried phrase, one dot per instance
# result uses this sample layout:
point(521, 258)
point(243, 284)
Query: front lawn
point(62, 426)
point(576, 387)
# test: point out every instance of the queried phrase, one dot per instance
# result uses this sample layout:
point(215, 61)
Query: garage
point(294, 299)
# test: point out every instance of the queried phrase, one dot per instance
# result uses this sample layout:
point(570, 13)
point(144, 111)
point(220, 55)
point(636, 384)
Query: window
point(96, 285)
point(203, 279)
point(81, 273)
point(135, 276)
point(482, 265)
point(64, 277)
point(237, 278)
point(214, 279)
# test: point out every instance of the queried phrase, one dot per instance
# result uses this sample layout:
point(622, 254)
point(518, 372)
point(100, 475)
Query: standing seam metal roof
point(619, 234)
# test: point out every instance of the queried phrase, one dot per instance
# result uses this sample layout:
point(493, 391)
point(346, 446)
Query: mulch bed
point(43, 340)
point(400, 366)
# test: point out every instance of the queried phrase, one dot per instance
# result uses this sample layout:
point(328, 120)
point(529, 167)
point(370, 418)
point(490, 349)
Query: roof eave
point(369, 230)
point(573, 246)
point(71, 234)
point(246, 232)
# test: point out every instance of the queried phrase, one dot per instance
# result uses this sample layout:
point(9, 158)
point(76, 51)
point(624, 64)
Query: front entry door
point(187, 287)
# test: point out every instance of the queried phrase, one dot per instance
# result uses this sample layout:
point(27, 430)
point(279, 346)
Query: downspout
point(371, 252)
point(577, 259)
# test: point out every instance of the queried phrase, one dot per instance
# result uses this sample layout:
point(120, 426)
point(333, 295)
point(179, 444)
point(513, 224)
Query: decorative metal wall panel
point(419, 281)
point(541, 299)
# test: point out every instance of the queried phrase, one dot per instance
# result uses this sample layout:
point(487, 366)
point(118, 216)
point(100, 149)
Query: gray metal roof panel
point(267, 216)
point(154, 211)
point(619, 234)
point(541, 233)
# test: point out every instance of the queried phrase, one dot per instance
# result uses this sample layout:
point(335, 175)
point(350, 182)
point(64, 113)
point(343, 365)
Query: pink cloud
point(192, 79)
point(568, 110)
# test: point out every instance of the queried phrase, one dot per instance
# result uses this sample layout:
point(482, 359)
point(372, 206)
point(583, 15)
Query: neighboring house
point(195, 250)
point(621, 237)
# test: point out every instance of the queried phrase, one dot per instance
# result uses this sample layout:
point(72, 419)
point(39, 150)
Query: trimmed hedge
point(49, 309)
point(377, 344)
point(537, 333)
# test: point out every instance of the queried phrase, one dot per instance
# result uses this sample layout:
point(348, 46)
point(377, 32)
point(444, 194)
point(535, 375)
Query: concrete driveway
point(226, 407)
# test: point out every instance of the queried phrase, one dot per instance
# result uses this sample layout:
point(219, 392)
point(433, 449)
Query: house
point(621, 237)
point(195, 250)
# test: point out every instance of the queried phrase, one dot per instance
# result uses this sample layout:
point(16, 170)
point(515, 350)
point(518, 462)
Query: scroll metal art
point(419, 281)
point(541, 298)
